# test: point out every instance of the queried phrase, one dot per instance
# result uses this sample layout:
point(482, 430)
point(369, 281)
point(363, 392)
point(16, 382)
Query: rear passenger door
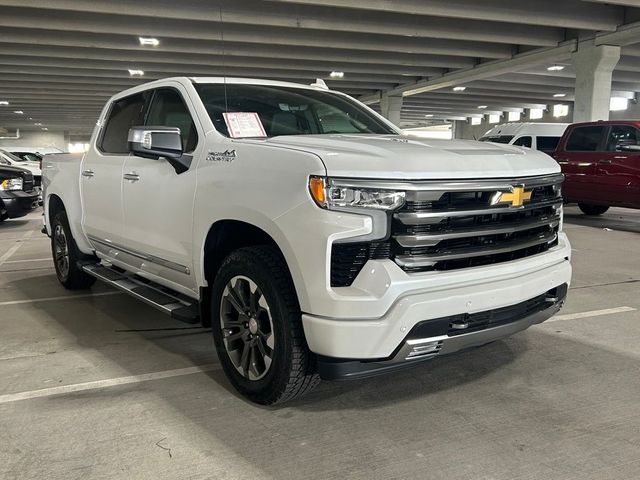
point(158, 202)
point(578, 158)
point(618, 167)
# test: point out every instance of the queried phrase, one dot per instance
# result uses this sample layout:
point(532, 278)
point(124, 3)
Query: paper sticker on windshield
point(244, 124)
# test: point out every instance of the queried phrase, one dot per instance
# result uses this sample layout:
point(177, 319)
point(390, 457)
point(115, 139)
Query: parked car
point(17, 194)
point(7, 158)
point(601, 162)
point(311, 235)
point(539, 136)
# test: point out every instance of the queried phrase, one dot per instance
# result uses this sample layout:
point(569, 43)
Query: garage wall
point(37, 139)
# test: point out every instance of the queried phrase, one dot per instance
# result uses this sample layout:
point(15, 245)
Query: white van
point(539, 136)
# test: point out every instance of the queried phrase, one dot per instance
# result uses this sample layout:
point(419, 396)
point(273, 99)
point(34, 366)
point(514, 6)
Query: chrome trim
point(448, 185)
point(142, 256)
point(87, 173)
point(131, 176)
point(419, 218)
point(416, 261)
point(428, 240)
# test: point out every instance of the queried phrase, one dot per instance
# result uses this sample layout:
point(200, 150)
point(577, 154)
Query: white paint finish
point(54, 299)
point(111, 382)
point(592, 313)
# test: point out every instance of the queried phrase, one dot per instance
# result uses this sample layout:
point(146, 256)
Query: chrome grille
point(445, 226)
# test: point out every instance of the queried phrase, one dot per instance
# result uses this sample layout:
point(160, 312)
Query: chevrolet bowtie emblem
point(516, 197)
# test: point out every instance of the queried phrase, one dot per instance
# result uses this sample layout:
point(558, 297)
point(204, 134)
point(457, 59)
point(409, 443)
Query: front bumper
point(414, 349)
point(17, 203)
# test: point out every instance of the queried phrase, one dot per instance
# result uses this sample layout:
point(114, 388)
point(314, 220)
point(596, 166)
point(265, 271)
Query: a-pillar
point(391, 106)
point(593, 66)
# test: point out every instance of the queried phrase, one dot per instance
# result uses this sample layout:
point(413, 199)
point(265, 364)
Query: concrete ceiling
point(61, 59)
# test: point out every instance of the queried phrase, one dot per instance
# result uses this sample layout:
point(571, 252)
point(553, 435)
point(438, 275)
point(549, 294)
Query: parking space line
point(29, 260)
point(592, 313)
point(53, 299)
point(9, 253)
point(111, 382)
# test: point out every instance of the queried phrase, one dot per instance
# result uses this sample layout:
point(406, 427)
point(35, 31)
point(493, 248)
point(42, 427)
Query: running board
point(178, 306)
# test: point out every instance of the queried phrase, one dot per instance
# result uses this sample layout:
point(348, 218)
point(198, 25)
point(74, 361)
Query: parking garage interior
point(95, 384)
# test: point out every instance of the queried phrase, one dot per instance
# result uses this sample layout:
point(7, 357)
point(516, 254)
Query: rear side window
point(169, 110)
point(622, 135)
point(497, 138)
point(547, 144)
point(125, 113)
point(584, 139)
point(523, 142)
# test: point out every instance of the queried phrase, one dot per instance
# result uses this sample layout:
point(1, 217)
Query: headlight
point(11, 184)
point(332, 195)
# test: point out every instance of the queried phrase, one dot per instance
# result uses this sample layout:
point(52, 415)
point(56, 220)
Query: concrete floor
point(559, 401)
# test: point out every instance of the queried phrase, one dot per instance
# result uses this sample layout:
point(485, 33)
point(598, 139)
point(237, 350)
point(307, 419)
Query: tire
point(278, 365)
point(66, 255)
point(589, 209)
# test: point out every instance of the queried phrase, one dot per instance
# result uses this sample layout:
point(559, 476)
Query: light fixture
point(560, 110)
point(136, 73)
point(482, 107)
point(536, 113)
point(19, 112)
point(429, 115)
point(4, 102)
point(45, 128)
point(559, 95)
point(618, 103)
point(459, 89)
point(555, 68)
point(476, 120)
point(336, 74)
point(149, 41)
point(37, 124)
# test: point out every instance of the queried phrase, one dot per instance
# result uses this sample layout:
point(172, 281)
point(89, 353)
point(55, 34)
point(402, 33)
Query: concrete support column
point(390, 106)
point(593, 66)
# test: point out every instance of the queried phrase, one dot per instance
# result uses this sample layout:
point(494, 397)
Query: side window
point(169, 110)
point(547, 144)
point(125, 113)
point(622, 135)
point(523, 142)
point(584, 139)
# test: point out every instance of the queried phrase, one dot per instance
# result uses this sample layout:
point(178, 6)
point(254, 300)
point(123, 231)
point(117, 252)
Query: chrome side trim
point(429, 240)
point(142, 256)
point(418, 218)
point(417, 261)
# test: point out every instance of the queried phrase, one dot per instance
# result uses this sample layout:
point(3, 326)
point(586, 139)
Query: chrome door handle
point(131, 176)
point(605, 162)
point(87, 173)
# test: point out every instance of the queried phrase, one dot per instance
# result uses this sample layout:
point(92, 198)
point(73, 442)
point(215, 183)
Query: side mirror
point(629, 148)
point(159, 142)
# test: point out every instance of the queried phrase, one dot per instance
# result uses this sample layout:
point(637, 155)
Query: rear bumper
point(414, 350)
point(18, 204)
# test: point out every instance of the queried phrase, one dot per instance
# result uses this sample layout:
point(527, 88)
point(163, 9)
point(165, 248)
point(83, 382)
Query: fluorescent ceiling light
point(37, 124)
point(429, 115)
point(559, 95)
point(149, 41)
point(555, 68)
point(4, 102)
point(335, 74)
point(618, 103)
point(560, 110)
point(45, 128)
point(476, 120)
point(459, 89)
point(482, 106)
point(19, 112)
point(136, 73)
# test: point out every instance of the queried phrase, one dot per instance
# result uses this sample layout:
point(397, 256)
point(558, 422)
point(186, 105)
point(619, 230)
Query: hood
point(11, 170)
point(404, 157)
point(33, 167)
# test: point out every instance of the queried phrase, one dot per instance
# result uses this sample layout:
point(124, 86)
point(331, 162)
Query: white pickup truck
point(312, 236)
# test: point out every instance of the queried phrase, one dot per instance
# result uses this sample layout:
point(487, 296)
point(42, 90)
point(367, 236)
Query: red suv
point(601, 162)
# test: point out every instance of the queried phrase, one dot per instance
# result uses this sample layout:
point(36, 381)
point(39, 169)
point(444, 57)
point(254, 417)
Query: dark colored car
point(17, 192)
point(601, 162)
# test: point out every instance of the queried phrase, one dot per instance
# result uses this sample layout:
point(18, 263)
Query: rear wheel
point(66, 255)
point(257, 327)
point(589, 209)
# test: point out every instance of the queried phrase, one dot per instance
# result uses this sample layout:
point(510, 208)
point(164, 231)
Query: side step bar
point(178, 306)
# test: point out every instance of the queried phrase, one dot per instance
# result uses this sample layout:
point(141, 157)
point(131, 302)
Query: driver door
point(616, 170)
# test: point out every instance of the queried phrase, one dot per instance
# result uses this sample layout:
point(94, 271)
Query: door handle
point(131, 176)
point(87, 173)
point(605, 162)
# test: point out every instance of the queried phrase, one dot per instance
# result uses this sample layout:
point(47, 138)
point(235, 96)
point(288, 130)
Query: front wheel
point(66, 255)
point(257, 327)
point(589, 209)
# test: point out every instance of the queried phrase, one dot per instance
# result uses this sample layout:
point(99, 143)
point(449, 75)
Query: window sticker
point(244, 124)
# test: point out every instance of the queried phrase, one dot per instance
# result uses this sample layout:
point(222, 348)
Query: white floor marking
point(8, 254)
point(29, 260)
point(592, 313)
point(52, 299)
point(111, 382)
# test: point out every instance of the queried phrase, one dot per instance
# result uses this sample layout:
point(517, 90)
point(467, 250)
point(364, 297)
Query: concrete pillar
point(593, 66)
point(390, 106)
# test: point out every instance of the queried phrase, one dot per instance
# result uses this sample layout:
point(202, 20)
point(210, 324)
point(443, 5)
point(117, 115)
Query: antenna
point(224, 67)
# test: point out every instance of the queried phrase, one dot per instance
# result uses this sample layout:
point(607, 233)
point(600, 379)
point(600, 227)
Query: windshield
point(497, 138)
point(9, 157)
point(289, 111)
